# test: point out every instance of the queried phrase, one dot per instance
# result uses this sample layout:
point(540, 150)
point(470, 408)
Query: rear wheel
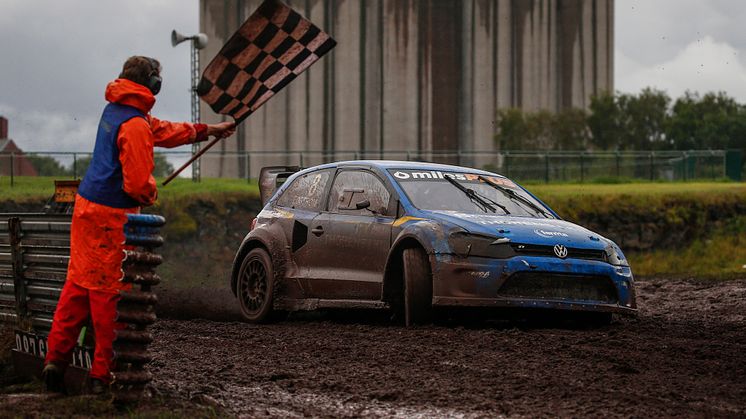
point(418, 287)
point(256, 286)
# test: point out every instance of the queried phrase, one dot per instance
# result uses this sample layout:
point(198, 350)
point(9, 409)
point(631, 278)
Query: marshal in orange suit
point(118, 181)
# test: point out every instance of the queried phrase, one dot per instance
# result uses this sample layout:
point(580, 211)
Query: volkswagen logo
point(560, 251)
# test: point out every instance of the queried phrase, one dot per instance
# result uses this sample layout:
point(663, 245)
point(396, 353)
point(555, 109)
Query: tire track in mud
point(684, 356)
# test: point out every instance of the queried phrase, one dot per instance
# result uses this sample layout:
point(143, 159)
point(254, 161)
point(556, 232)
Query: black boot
point(53, 379)
point(98, 387)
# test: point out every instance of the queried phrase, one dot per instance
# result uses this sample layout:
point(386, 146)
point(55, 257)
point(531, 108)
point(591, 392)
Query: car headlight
point(615, 256)
point(465, 244)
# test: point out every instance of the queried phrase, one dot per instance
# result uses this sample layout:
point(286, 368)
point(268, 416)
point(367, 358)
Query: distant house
point(12, 157)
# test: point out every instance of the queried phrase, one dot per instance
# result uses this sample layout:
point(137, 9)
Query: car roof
point(404, 165)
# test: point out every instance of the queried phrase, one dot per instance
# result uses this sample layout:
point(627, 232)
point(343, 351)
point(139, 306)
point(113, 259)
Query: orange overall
point(94, 272)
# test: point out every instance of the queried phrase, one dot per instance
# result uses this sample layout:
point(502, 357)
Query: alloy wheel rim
point(254, 285)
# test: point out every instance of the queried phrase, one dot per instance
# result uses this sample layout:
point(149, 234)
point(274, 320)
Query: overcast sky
point(57, 56)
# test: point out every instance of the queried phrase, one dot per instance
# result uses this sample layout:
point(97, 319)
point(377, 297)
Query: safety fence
point(34, 254)
point(524, 166)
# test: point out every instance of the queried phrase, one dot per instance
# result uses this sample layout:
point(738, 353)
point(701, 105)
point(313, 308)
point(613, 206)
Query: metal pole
point(75, 165)
point(246, 167)
point(19, 282)
point(196, 174)
point(618, 174)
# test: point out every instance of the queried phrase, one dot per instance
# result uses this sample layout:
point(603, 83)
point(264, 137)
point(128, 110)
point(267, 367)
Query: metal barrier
point(34, 254)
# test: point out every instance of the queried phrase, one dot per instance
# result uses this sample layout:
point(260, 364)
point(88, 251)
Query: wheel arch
point(393, 278)
point(247, 246)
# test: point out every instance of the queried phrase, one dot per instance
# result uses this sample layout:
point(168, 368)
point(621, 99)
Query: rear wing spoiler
point(271, 178)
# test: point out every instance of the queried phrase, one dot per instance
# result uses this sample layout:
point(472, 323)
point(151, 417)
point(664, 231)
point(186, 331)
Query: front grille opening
point(574, 253)
point(551, 286)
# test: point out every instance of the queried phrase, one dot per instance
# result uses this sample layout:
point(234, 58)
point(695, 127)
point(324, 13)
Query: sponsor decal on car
point(405, 219)
point(437, 175)
point(490, 220)
point(550, 234)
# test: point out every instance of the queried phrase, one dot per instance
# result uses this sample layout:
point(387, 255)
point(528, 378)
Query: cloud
point(656, 31)
point(57, 57)
point(50, 131)
point(704, 65)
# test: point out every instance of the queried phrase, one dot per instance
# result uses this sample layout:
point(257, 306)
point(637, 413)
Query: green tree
point(81, 165)
point(644, 119)
point(542, 130)
point(713, 121)
point(629, 122)
point(569, 130)
point(162, 167)
point(512, 129)
point(605, 122)
point(47, 166)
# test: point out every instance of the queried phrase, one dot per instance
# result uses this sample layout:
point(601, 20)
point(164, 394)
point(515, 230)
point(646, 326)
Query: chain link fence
point(522, 166)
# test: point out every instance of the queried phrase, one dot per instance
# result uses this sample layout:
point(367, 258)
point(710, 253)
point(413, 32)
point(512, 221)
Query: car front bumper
point(570, 283)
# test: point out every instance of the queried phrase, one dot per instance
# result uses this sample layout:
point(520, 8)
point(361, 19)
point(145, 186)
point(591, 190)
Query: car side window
point(306, 192)
point(352, 188)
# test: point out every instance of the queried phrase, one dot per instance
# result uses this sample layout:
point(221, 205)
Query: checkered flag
point(273, 47)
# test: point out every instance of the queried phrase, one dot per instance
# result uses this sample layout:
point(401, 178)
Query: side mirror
point(362, 204)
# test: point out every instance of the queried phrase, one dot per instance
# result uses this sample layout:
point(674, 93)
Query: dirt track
point(684, 356)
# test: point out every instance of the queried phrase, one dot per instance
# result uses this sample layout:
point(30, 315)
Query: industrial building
point(416, 76)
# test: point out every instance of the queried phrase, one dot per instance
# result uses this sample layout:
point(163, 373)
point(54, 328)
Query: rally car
point(415, 238)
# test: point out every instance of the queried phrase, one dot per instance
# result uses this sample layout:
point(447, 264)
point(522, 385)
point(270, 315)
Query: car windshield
point(468, 193)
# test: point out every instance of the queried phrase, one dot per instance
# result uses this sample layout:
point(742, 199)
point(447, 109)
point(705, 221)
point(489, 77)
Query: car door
point(303, 202)
point(356, 234)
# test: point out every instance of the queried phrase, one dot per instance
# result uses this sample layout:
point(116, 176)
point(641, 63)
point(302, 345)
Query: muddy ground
point(684, 356)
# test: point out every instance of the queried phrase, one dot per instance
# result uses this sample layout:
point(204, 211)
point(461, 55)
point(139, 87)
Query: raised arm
point(173, 134)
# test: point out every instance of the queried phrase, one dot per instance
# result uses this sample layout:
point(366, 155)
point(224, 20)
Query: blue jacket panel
point(103, 182)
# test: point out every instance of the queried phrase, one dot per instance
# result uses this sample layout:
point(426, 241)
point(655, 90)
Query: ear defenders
point(154, 79)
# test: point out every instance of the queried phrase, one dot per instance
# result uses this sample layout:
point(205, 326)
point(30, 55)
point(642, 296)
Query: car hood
point(526, 230)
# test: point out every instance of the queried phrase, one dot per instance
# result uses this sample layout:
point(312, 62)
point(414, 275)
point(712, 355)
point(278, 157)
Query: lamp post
point(199, 41)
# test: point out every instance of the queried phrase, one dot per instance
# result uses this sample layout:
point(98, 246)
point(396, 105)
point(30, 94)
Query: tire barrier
point(136, 308)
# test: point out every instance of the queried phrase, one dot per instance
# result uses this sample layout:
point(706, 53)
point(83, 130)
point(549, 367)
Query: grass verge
point(721, 255)
point(28, 188)
point(547, 192)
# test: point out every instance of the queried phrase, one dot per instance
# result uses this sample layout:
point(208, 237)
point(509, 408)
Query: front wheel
point(256, 286)
point(418, 287)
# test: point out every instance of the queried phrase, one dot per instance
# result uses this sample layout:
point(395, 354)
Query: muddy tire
point(596, 320)
point(418, 287)
point(255, 287)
